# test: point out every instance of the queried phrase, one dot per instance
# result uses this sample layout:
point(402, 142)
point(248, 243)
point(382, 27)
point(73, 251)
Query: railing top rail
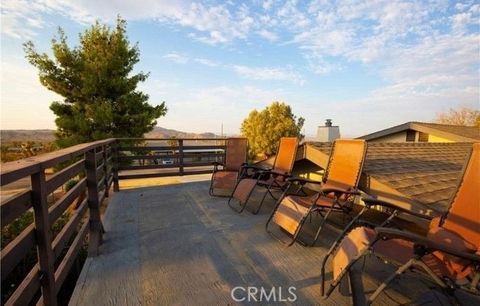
point(161, 139)
point(12, 171)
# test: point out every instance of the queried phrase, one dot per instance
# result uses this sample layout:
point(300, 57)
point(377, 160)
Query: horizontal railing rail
point(90, 170)
point(169, 158)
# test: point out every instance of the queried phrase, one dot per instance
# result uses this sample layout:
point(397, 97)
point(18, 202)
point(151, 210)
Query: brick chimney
point(329, 132)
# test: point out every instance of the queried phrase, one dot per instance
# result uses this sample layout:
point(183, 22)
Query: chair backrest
point(463, 216)
point(287, 151)
point(346, 162)
point(236, 153)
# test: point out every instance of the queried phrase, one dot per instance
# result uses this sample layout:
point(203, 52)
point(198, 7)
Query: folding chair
point(338, 189)
point(225, 175)
point(274, 178)
point(449, 254)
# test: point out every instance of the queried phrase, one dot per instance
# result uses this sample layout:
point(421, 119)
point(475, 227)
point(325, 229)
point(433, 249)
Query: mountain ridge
point(47, 135)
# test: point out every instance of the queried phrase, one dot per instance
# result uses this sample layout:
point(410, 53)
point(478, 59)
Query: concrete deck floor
point(174, 244)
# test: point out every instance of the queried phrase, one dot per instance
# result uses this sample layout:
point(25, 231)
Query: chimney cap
point(328, 122)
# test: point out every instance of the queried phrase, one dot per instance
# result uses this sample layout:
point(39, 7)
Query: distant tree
point(263, 129)
point(172, 141)
point(100, 93)
point(462, 116)
point(28, 149)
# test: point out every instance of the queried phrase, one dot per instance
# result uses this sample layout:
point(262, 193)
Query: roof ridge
point(435, 123)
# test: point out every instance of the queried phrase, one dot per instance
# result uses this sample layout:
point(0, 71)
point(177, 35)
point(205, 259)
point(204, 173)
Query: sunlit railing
point(91, 168)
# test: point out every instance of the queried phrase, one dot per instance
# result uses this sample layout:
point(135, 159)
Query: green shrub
point(70, 184)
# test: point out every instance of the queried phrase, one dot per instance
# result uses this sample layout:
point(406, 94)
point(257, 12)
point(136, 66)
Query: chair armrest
point(303, 181)
point(284, 174)
point(256, 168)
point(351, 191)
point(216, 165)
point(391, 233)
point(372, 202)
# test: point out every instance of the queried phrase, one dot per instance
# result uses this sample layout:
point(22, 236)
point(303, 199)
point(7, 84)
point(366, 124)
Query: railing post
point(115, 159)
point(105, 169)
point(96, 227)
point(180, 155)
point(46, 258)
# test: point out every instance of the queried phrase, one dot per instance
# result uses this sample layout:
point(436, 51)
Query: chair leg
point(242, 206)
point(384, 285)
point(475, 280)
point(320, 227)
point(269, 191)
point(256, 211)
point(412, 262)
point(356, 285)
point(210, 190)
point(437, 279)
point(231, 197)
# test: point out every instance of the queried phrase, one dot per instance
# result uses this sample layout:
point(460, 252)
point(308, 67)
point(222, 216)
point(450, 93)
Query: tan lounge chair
point(449, 253)
point(274, 178)
point(338, 189)
point(225, 175)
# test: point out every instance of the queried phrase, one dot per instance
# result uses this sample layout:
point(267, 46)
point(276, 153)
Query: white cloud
point(318, 65)
point(267, 4)
point(207, 62)
point(425, 51)
point(177, 58)
point(268, 35)
point(291, 16)
point(276, 74)
point(184, 59)
point(213, 23)
point(20, 18)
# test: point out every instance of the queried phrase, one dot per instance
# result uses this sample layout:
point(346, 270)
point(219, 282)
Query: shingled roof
point(453, 132)
point(419, 176)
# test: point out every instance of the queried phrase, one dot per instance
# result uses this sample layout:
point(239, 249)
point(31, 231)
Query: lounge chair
point(225, 175)
point(449, 254)
point(336, 194)
point(269, 178)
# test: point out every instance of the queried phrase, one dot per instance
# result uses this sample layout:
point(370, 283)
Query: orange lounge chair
point(338, 189)
point(449, 253)
point(274, 178)
point(235, 157)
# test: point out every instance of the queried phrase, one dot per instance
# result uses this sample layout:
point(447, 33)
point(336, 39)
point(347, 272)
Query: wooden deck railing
point(174, 156)
point(95, 166)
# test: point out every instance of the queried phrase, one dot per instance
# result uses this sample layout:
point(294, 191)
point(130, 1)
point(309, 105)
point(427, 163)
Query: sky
point(367, 65)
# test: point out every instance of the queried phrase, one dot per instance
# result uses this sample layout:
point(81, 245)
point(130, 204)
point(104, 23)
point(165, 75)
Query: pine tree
point(100, 93)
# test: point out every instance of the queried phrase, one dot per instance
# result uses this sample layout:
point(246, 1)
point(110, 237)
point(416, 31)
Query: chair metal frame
point(421, 247)
point(259, 175)
point(344, 206)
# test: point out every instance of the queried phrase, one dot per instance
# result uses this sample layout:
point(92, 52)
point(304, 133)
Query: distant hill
point(27, 135)
point(159, 132)
point(48, 135)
